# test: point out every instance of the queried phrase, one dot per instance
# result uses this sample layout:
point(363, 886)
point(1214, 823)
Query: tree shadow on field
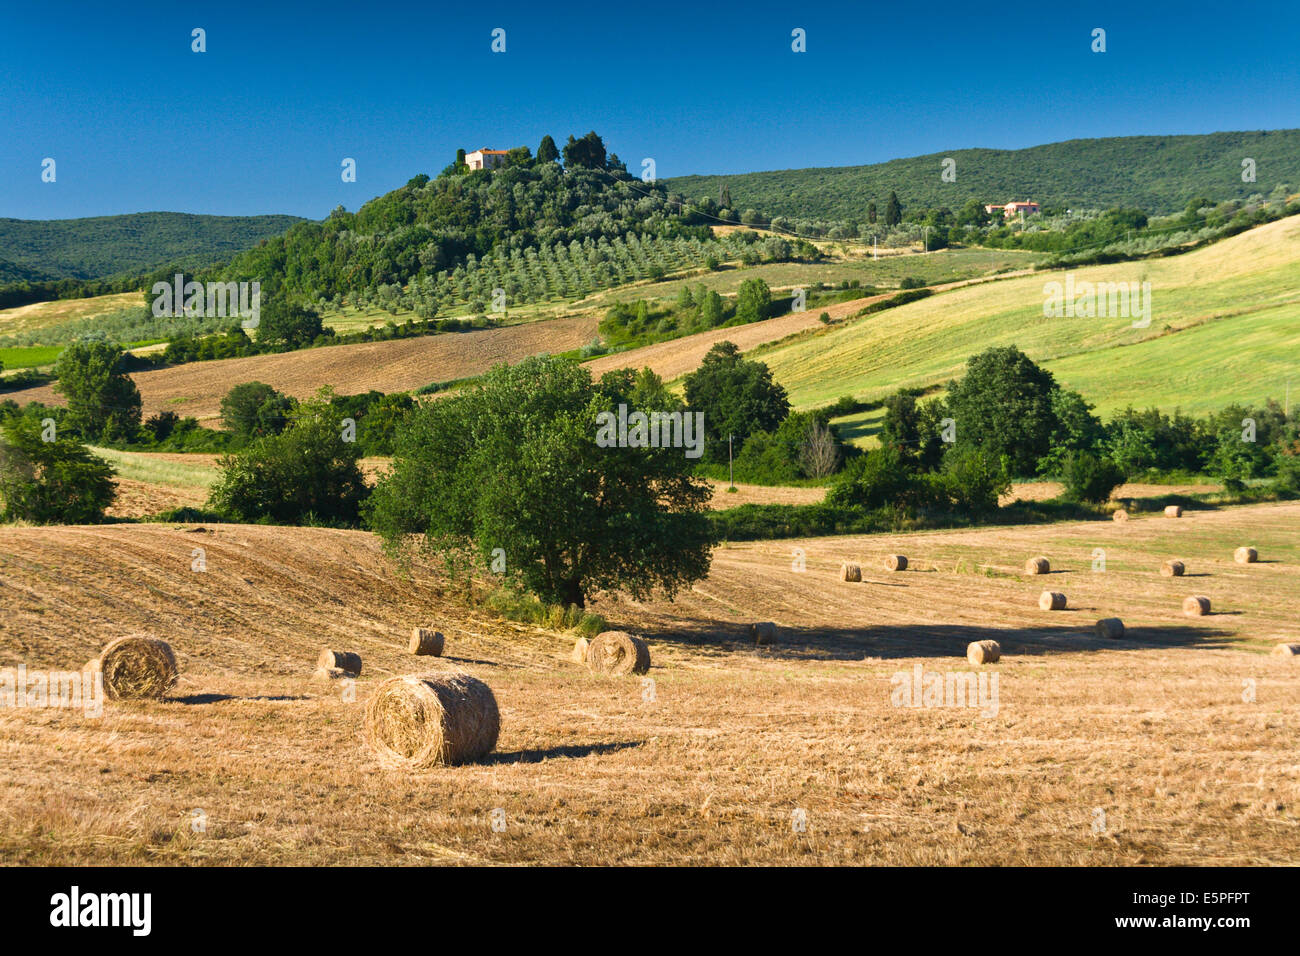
point(889, 641)
point(218, 698)
point(550, 753)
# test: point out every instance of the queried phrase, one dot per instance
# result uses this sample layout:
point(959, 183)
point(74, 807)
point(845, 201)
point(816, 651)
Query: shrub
point(50, 482)
point(1089, 478)
point(254, 409)
point(307, 473)
point(971, 480)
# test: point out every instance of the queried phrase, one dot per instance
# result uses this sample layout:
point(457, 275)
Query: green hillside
point(1225, 328)
point(1159, 174)
point(108, 245)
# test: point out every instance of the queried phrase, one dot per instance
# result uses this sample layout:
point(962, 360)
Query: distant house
point(485, 158)
point(1014, 209)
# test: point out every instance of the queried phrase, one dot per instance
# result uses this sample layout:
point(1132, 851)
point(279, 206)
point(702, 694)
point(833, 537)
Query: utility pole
point(731, 477)
point(926, 234)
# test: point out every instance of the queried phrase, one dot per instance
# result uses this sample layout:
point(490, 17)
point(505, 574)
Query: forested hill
point(103, 246)
point(448, 224)
point(1158, 174)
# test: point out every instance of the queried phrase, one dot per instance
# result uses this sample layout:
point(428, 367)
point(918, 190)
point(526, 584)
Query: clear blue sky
point(261, 121)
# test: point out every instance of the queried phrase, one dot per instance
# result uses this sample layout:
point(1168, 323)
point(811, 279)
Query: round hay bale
point(579, 653)
point(896, 562)
point(1245, 555)
point(1287, 650)
point(419, 721)
point(1196, 606)
point(136, 667)
point(983, 652)
point(1172, 569)
point(618, 653)
point(763, 633)
point(343, 660)
point(1173, 511)
point(1111, 628)
point(1039, 565)
point(1119, 515)
point(1051, 601)
point(426, 642)
point(850, 572)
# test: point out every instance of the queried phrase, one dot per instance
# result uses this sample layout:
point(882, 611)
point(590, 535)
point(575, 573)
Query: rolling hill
point(1159, 174)
point(1225, 327)
point(102, 246)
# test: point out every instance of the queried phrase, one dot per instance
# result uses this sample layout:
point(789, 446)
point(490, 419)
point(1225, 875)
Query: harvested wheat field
point(196, 389)
point(1182, 732)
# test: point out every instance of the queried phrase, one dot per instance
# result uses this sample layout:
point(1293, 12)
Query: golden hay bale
point(850, 572)
point(1245, 556)
point(618, 653)
point(426, 642)
point(136, 667)
point(1038, 565)
point(1173, 569)
point(896, 562)
point(763, 633)
point(1196, 606)
point(419, 721)
point(1173, 511)
point(983, 652)
point(1287, 650)
point(343, 660)
point(1111, 628)
point(579, 652)
point(1051, 601)
point(1119, 515)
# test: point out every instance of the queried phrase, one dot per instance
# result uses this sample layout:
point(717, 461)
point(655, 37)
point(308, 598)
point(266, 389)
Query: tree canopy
point(512, 463)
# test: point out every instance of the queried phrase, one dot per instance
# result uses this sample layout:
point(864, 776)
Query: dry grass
point(44, 315)
point(196, 389)
point(1154, 729)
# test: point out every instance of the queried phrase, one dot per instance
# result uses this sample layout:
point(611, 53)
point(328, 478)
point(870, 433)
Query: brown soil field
point(1175, 744)
point(197, 388)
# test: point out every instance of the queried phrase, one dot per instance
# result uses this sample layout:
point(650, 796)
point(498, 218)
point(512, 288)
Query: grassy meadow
point(1224, 328)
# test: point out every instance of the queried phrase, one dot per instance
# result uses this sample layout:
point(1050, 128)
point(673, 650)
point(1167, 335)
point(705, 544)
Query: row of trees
point(1008, 417)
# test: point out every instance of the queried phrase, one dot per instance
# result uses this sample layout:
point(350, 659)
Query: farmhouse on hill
point(1013, 208)
point(485, 158)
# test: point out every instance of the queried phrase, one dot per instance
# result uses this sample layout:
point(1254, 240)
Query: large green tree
point(513, 463)
point(254, 409)
point(103, 401)
point(753, 301)
point(893, 210)
point(1004, 406)
point(546, 151)
point(288, 325)
point(738, 397)
point(587, 153)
